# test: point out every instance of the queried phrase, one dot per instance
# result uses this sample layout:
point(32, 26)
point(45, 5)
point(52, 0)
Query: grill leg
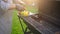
point(21, 23)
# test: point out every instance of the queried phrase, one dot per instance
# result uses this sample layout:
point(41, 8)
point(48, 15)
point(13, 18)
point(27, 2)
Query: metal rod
point(21, 23)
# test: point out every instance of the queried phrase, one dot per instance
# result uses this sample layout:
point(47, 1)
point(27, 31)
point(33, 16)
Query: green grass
point(16, 27)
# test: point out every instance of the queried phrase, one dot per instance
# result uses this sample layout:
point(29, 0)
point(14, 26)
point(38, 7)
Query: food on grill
point(24, 13)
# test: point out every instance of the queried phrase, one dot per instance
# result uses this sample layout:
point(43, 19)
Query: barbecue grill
point(47, 21)
point(50, 11)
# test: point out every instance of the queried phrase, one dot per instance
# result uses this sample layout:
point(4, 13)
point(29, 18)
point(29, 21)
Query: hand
point(20, 7)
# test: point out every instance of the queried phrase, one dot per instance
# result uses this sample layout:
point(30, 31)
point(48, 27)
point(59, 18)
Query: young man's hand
point(20, 7)
point(19, 2)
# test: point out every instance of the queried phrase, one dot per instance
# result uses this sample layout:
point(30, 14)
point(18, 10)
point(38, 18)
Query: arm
point(16, 6)
point(20, 5)
point(12, 6)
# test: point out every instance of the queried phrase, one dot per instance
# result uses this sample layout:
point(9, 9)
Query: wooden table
point(41, 27)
